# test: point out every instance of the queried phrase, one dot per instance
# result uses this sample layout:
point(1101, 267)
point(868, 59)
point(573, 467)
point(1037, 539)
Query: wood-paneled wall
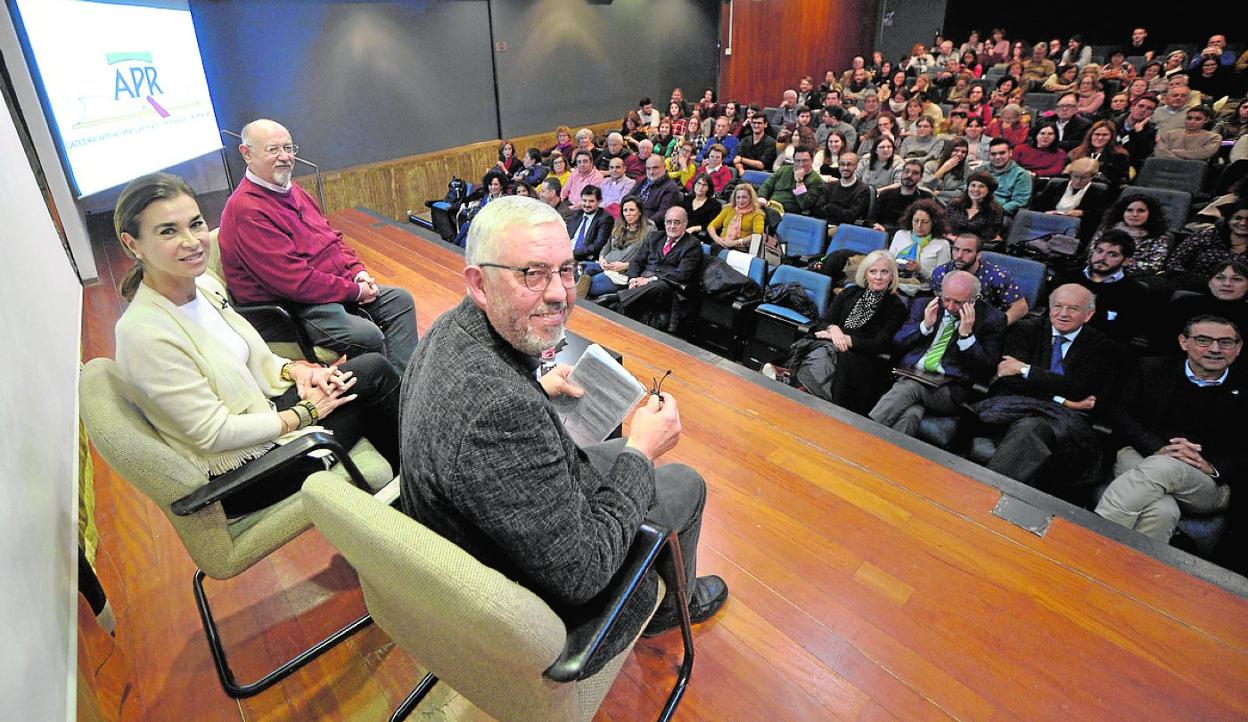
point(776, 42)
point(393, 186)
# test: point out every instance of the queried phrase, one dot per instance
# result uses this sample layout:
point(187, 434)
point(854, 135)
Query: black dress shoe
point(709, 594)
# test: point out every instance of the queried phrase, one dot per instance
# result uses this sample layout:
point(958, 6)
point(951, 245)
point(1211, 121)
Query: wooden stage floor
point(869, 578)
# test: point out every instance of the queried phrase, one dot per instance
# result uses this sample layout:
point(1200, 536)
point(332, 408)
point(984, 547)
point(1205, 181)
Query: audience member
point(615, 185)
point(650, 115)
point(559, 169)
point(1077, 197)
point(276, 245)
point(1142, 218)
point(833, 121)
point(489, 467)
point(946, 176)
point(880, 166)
point(839, 361)
point(757, 151)
point(1142, 45)
point(1054, 376)
point(1121, 303)
point(892, 201)
point(738, 227)
point(665, 142)
point(798, 188)
point(1179, 421)
point(584, 174)
point(1136, 131)
point(1090, 93)
point(662, 272)
point(714, 169)
point(919, 246)
point(1203, 251)
point(508, 163)
point(681, 166)
point(952, 341)
point(1223, 296)
point(1194, 141)
point(1013, 183)
point(590, 226)
point(997, 285)
point(976, 210)
point(607, 274)
point(1009, 125)
point(827, 159)
point(977, 143)
point(1100, 144)
point(722, 138)
point(701, 207)
point(656, 192)
point(1066, 121)
point(846, 199)
point(563, 143)
point(549, 194)
point(1041, 155)
point(1172, 115)
point(1062, 81)
point(202, 376)
point(922, 144)
point(533, 171)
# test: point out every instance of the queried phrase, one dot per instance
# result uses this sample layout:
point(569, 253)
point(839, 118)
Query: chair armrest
point(255, 310)
point(259, 469)
point(595, 618)
point(743, 306)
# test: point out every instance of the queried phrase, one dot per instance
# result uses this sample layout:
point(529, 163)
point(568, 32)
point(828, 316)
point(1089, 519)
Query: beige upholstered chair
point(221, 548)
point(493, 641)
point(301, 347)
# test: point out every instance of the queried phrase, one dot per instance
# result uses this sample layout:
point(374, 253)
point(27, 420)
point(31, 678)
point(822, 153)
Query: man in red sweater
point(276, 245)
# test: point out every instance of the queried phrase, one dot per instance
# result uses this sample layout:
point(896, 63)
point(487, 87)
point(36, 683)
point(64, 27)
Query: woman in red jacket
point(1041, 156)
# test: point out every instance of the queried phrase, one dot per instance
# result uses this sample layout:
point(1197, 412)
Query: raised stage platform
point(870, 578)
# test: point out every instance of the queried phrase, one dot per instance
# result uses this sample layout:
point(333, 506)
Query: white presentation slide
point(125, 85)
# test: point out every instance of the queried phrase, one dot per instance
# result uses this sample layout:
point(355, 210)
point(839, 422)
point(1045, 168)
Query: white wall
point(39, 354)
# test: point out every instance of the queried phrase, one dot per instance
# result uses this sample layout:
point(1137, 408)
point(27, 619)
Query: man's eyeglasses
point(656, 388)
point(537, 277)
point(1225, 343)
point(289, 148)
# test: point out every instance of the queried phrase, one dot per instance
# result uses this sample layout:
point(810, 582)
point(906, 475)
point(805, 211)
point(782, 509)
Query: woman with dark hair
point(633, 130)
point(1041, 155)
point(697, 127)
point(1078, 52)
point(971, 64)
point(1063, 80)
point(946, 175)
point(977, 142)
point(839, 361)
point(979, 107)
point(1234, 123)
point(826, 160)
point(735, 116)
point(1100, 144)
point(708, 103)
point(876, 64)
point(508, 163)
point(533, 171)
point(665, 141)
point(1154, 75)
point(885, 127)
point(204, 378)
point(701, 206)
point(1205, 249)
point(607, 274)
point(676, 113)
point(681, 165)
point(881, 166)
point(1213, 81)
point(976, 210)
point(1142, 218)
point(920, 246)
point(522, 188)
point(1223, 295)
point(922, 144)
point(559, 168)
point(911, 112)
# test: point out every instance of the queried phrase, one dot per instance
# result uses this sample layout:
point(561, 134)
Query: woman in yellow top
point(681, 166)
point(559, 168)
point(739, 224)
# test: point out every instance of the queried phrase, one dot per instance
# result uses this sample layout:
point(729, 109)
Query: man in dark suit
point(952, 341)
point(590, 226)
point(1181, 421)
point(1066, 121)
point(657, 191)
point(1120, 301)
point(663, 274)
point(1052, 376)
point(488, 464)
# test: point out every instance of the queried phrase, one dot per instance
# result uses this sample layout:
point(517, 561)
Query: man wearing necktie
point(1052, 374)
point(957, 336)
point(663, 274)
point(589, 227)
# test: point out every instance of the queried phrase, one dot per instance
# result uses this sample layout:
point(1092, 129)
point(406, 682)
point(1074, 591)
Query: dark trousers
point(679, 497)
point(1024, 450)
point(387, 326)
point(652, 304)
point(373, 415)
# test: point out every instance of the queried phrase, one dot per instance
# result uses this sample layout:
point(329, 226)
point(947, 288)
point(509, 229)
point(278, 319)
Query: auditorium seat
point(1028, 225)
point(720, 323)
point(488, 638)
point(802, 236)
point(1040, 102)
point(857, 238)
point(1028, 274)
point(1176, 174)
point(776, 327)
point(755, 178)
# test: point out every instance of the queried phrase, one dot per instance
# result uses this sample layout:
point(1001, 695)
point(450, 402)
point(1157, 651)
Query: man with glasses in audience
point(947, 344)
point(797, 187)
point(723, 138)
point(277, 246)
point(757, 151)
point(657, 191)
point(662, 272)
point(1055, 374)
point(1070, 126)
point(487, 463)
point(1182, 421)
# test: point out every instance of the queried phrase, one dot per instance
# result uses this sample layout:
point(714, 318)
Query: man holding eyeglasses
point(1182, 421)
point(277, 246)
point(486, 461)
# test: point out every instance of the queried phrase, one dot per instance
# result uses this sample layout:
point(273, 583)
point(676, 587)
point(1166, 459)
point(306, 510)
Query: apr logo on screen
point(136, 78)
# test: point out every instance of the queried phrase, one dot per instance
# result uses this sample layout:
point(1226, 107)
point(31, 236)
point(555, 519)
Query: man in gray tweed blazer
point(486, 461)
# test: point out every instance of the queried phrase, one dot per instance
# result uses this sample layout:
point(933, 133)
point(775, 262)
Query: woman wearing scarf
point(922, 248)
point(839, 361)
